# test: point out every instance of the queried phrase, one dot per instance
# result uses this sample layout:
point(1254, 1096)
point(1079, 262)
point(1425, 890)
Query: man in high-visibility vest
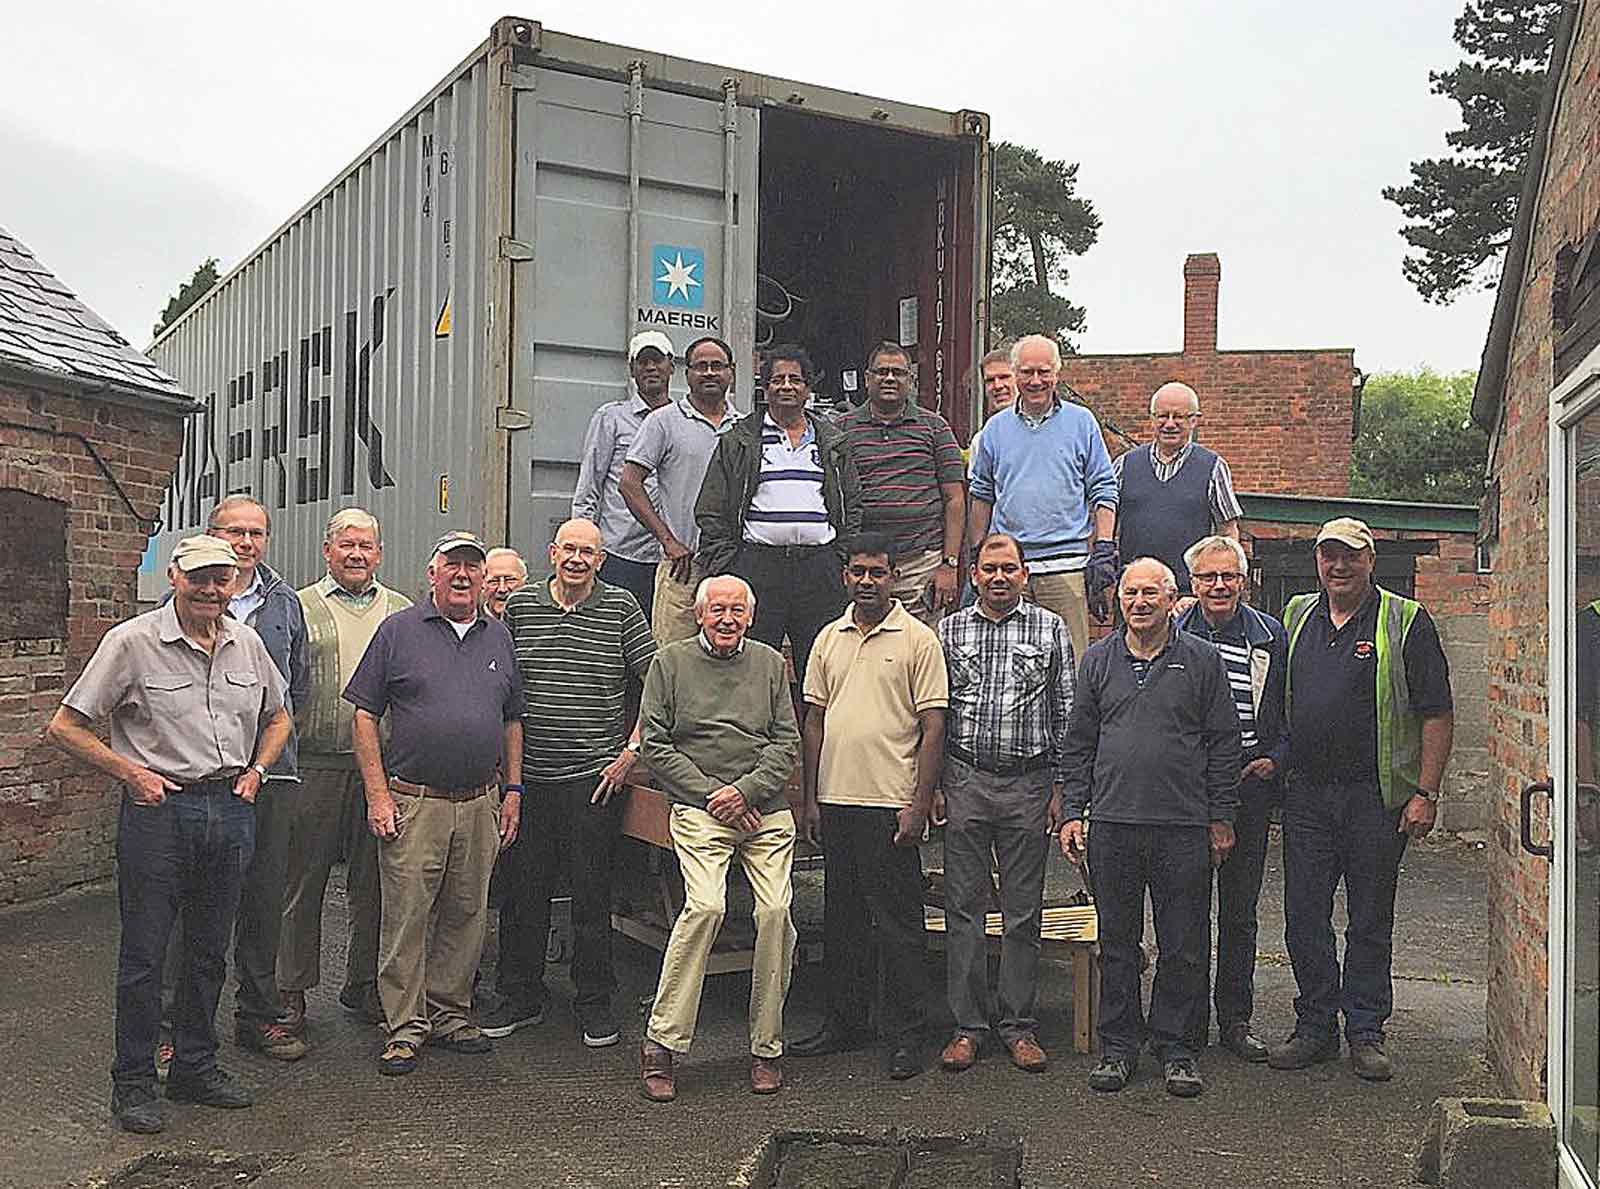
point(1370, 725)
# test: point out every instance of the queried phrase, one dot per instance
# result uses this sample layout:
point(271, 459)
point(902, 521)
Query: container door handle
point(1547, 849)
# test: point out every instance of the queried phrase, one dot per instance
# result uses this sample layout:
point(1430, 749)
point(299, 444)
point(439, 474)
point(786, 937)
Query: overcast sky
point(139, 137)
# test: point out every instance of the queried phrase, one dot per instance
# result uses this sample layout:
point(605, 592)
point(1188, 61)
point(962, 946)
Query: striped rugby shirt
point(787, 507)
point(1229, 640)
point(902, 462)
point(575, 665)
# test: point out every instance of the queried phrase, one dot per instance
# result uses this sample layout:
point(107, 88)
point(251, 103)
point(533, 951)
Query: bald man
point(579, 642)
point(1173, 491)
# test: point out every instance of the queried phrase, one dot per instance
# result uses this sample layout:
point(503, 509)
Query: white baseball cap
point(649, 338)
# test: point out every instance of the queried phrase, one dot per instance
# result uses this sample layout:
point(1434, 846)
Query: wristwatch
point(1429, 795)
point(260, 770)
point(952, 561)
point(632, 745)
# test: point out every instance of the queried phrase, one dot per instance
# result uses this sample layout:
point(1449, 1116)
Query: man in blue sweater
point(1041, 474)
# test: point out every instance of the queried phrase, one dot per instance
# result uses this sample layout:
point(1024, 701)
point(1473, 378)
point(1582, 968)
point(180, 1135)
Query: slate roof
point(45, 328)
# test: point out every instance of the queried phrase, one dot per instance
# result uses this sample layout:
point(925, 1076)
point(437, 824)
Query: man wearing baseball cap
point(446, 676)
point(1367, 700)
point(632, 550)
point(197, 716)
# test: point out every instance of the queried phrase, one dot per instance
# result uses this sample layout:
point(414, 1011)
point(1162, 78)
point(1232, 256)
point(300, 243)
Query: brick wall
point(1569, 210)
point(57, 824)
point(1282, 419)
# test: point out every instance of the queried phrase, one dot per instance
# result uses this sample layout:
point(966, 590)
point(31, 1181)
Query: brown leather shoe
point(292, 1012)
point(960, 1053)
point(655, 1072)
point(1026, 1054)
point(766, 1075)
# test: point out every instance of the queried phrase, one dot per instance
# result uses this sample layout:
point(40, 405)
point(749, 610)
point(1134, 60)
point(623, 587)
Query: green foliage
point(1417, 439)
point(1039, 220)
point(1461, 207)
point(190, 292)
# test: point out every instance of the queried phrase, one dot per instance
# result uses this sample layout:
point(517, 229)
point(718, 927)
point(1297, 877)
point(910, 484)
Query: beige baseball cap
point(1347, 530)
point(460, 539)
point(203, 550)
point(649, 338)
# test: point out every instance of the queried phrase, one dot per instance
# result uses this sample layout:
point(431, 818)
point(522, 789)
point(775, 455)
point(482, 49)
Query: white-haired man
point(1041, 474)
point(1254, 648)
point(342, 610)
point(1152, 760)
point(1172, 491)
point(719, 734)
point(504, 573)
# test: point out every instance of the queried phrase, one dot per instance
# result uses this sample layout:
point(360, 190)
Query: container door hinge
point(515, 249)
point(518, 77)
point(511, 420)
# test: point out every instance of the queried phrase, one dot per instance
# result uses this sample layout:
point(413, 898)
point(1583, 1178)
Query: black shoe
point(825, 1040)
point(362, 1003)
point(904, 1063)
point(1243, 1043)
point(1301, 1051)
point(214, 1087)
point(511, 1014)
point(1112, 1074)
point(1369, 1060)
point(468, 1040)
point(1183, 1078)
point(599, 1026)
point(136, 1108)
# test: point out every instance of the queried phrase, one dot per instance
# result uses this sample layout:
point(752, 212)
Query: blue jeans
point(183, 859)
point(1333, 831)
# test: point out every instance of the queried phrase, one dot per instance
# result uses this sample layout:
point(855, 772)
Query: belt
point(428, 790)
point(789, 550)
point(216, 780)
point(1036, 763)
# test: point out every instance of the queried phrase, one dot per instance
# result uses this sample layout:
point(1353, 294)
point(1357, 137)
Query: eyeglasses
point(706, 367)
point(892, 373)
point(1178, 417)
point(1210, 578)
point(255, 534)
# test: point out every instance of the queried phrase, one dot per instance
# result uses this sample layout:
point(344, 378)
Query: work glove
point(1100, 575)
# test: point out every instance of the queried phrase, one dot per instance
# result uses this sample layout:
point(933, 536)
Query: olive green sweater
point(708, 721)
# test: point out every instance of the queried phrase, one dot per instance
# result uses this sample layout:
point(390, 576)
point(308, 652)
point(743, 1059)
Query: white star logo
point(678, 277)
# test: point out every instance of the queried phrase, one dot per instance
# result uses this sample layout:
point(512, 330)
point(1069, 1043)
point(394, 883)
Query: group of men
point(489, 731)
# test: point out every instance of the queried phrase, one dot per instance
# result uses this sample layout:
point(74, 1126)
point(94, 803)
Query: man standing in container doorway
point(342, 611)
point(873, 742)
point(446, 676)
point(913, 483)
point(674, 444)
point(632, 551)
point(999, 391)
point(197, 718)
point(1041, 474)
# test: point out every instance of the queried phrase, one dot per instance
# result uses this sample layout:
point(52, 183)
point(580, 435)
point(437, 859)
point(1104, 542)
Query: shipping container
point(429, 335)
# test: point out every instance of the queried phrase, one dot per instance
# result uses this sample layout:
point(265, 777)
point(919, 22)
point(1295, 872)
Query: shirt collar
point(809, 436)
point(541, 593)
point(255, 585)
point(1019, 609)
point(1178, 459)
point(892, 622)
point(638, 406)
point(431, 611)
point(329, 585)
point(1230, 627)
point(1172, 638)
point(686, 407)
point(705, 646)
point(1027, 419)
point(170, 631)
point(906, 412)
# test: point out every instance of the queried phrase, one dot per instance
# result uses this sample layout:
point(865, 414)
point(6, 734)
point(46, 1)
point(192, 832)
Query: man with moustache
point(579, 642)
point(632, 551)
point(342, 612)
point(912, 483)
point(873, 742)
point(197, 714)
point(1011, 676)
point(780, 498)
point(446, 676)
point(503, 573)
point(1151, 768)
point(674, 444)
point(718, 727)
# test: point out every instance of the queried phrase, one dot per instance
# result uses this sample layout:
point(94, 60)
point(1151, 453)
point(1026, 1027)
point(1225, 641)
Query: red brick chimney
point(1202, 275)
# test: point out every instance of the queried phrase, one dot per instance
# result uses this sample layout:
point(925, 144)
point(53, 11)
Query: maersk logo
point(678, 276)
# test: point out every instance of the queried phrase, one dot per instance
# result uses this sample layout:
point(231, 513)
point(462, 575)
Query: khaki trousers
point(705, 848)
point(1063, 594)
point(672, 617)
point(911, 587)
point(330, 821)
point(439, 866)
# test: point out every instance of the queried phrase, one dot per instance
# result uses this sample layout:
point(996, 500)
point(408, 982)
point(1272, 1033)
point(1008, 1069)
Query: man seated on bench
point(718, 731)
point(1011, 675)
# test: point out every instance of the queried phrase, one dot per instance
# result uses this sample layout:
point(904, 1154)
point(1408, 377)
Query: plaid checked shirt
point(1011, 684)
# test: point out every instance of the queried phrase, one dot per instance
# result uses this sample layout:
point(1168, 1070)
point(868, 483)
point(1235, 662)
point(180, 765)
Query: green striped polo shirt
point(575, 668)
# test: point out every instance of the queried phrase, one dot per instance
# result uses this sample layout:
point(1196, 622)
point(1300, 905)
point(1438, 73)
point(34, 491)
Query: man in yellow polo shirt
point(874, 740)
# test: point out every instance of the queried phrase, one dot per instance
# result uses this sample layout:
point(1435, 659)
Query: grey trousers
point(1004, 816)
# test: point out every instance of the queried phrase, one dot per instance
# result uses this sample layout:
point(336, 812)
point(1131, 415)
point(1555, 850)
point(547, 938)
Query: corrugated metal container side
point(343, 363)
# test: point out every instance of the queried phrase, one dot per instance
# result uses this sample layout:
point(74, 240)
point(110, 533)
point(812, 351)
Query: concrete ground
point(543, 1110)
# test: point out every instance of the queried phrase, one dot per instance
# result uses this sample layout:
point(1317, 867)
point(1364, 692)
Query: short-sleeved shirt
point(598, 494)
point(787, 507)
point(175, 708)
point(872, 686)
point(448, 696)
point(1333, 723)
point(902, 462)
point(675, 444)
point(575, 667)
